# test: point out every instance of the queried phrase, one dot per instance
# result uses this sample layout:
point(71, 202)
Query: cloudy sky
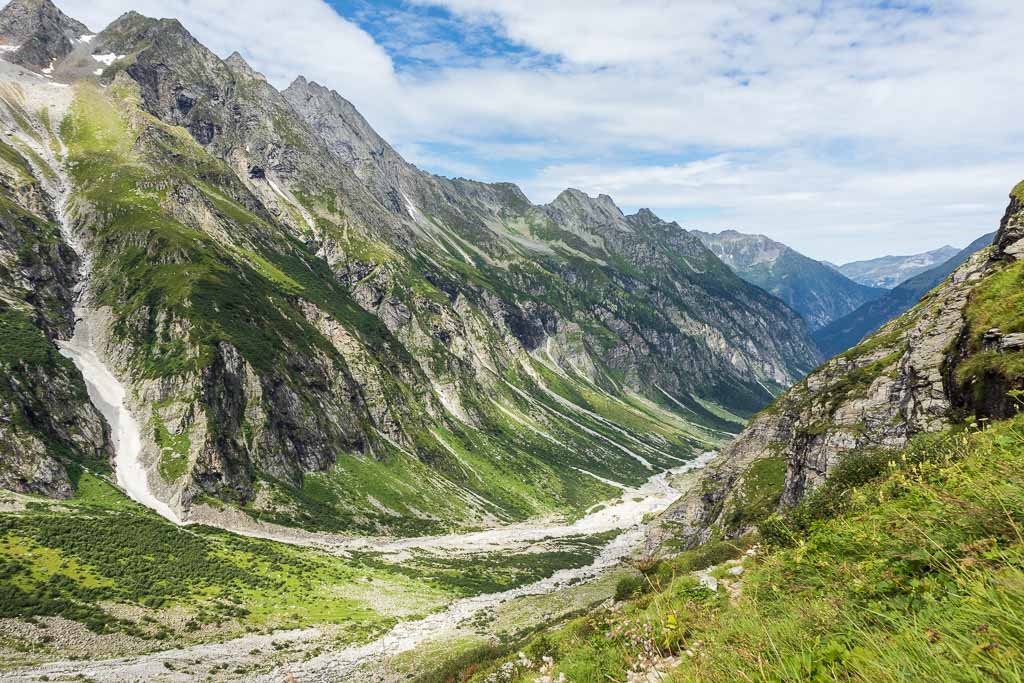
point(846, 128)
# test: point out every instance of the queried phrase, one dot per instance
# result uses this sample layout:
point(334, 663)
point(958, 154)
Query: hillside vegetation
point(906, 566)
point(315, 333)
point(840, 538)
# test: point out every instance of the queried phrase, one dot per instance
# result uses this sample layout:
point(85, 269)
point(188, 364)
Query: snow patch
point(9, 48)
point(98, 72)
point(109, 59)
point(411, 208)
point(767, 390)
point(86, 39)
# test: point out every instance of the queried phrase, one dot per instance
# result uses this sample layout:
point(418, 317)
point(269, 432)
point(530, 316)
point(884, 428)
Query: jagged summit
point(353, 138)
point(237, 63)
point(584, 212)
point(646, 214)
point(40, 32)
point(578, 198)
point(20, 19)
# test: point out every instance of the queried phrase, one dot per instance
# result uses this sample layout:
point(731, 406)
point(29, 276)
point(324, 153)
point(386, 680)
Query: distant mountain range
point(816, 291)
point(890, 271)
point(845, 332)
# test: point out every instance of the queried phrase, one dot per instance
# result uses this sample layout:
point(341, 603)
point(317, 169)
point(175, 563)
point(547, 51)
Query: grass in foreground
point(909, 567)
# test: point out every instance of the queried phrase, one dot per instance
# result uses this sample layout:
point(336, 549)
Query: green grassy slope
point(118, 570)
point(190, 262)
point(904, 565)
point(909, 568)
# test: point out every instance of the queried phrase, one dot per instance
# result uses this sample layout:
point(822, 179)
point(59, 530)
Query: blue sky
point(846, 128)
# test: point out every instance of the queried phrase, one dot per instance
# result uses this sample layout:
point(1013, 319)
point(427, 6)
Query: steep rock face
point(507, 239)
point(985, 367)
point(1009, 244)
point(814, 290)
point(932, 365)
point(37, 34)
point(225, 367)
point(48, 427)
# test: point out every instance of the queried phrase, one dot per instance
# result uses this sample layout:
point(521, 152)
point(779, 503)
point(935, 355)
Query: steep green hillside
point(330, 339)
point(46, 419)
point(186, 301)
point(907, 567)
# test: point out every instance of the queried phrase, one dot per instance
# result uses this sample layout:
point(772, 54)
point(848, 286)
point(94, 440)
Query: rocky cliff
point(34, 33)
point(957, 354)
point(314, 332)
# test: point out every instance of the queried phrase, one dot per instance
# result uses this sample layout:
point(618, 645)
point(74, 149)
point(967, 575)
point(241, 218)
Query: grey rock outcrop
point(878, 395)
point(37, 34)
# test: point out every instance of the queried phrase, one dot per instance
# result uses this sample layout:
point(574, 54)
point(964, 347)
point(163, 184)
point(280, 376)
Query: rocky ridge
point(34, 33)
point(889, 271)
point(914, 375)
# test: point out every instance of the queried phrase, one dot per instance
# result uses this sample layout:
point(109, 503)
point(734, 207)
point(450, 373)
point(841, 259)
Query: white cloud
point(827, 119)
point(826, 211)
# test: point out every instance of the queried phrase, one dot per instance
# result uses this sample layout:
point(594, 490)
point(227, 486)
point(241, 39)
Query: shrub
point(629, 586)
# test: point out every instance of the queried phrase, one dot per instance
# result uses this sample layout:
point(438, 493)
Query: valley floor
point(341, 612)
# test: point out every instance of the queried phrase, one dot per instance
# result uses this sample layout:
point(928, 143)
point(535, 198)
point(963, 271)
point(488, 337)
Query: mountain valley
point(889, 272)
point(278, 405)
point(817, 292)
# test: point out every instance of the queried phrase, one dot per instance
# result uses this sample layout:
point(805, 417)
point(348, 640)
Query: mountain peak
point(131, 29)
point(350, 134)
point(24, 16)
point(236, 62)
point(572, 199)
point(41, 31)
